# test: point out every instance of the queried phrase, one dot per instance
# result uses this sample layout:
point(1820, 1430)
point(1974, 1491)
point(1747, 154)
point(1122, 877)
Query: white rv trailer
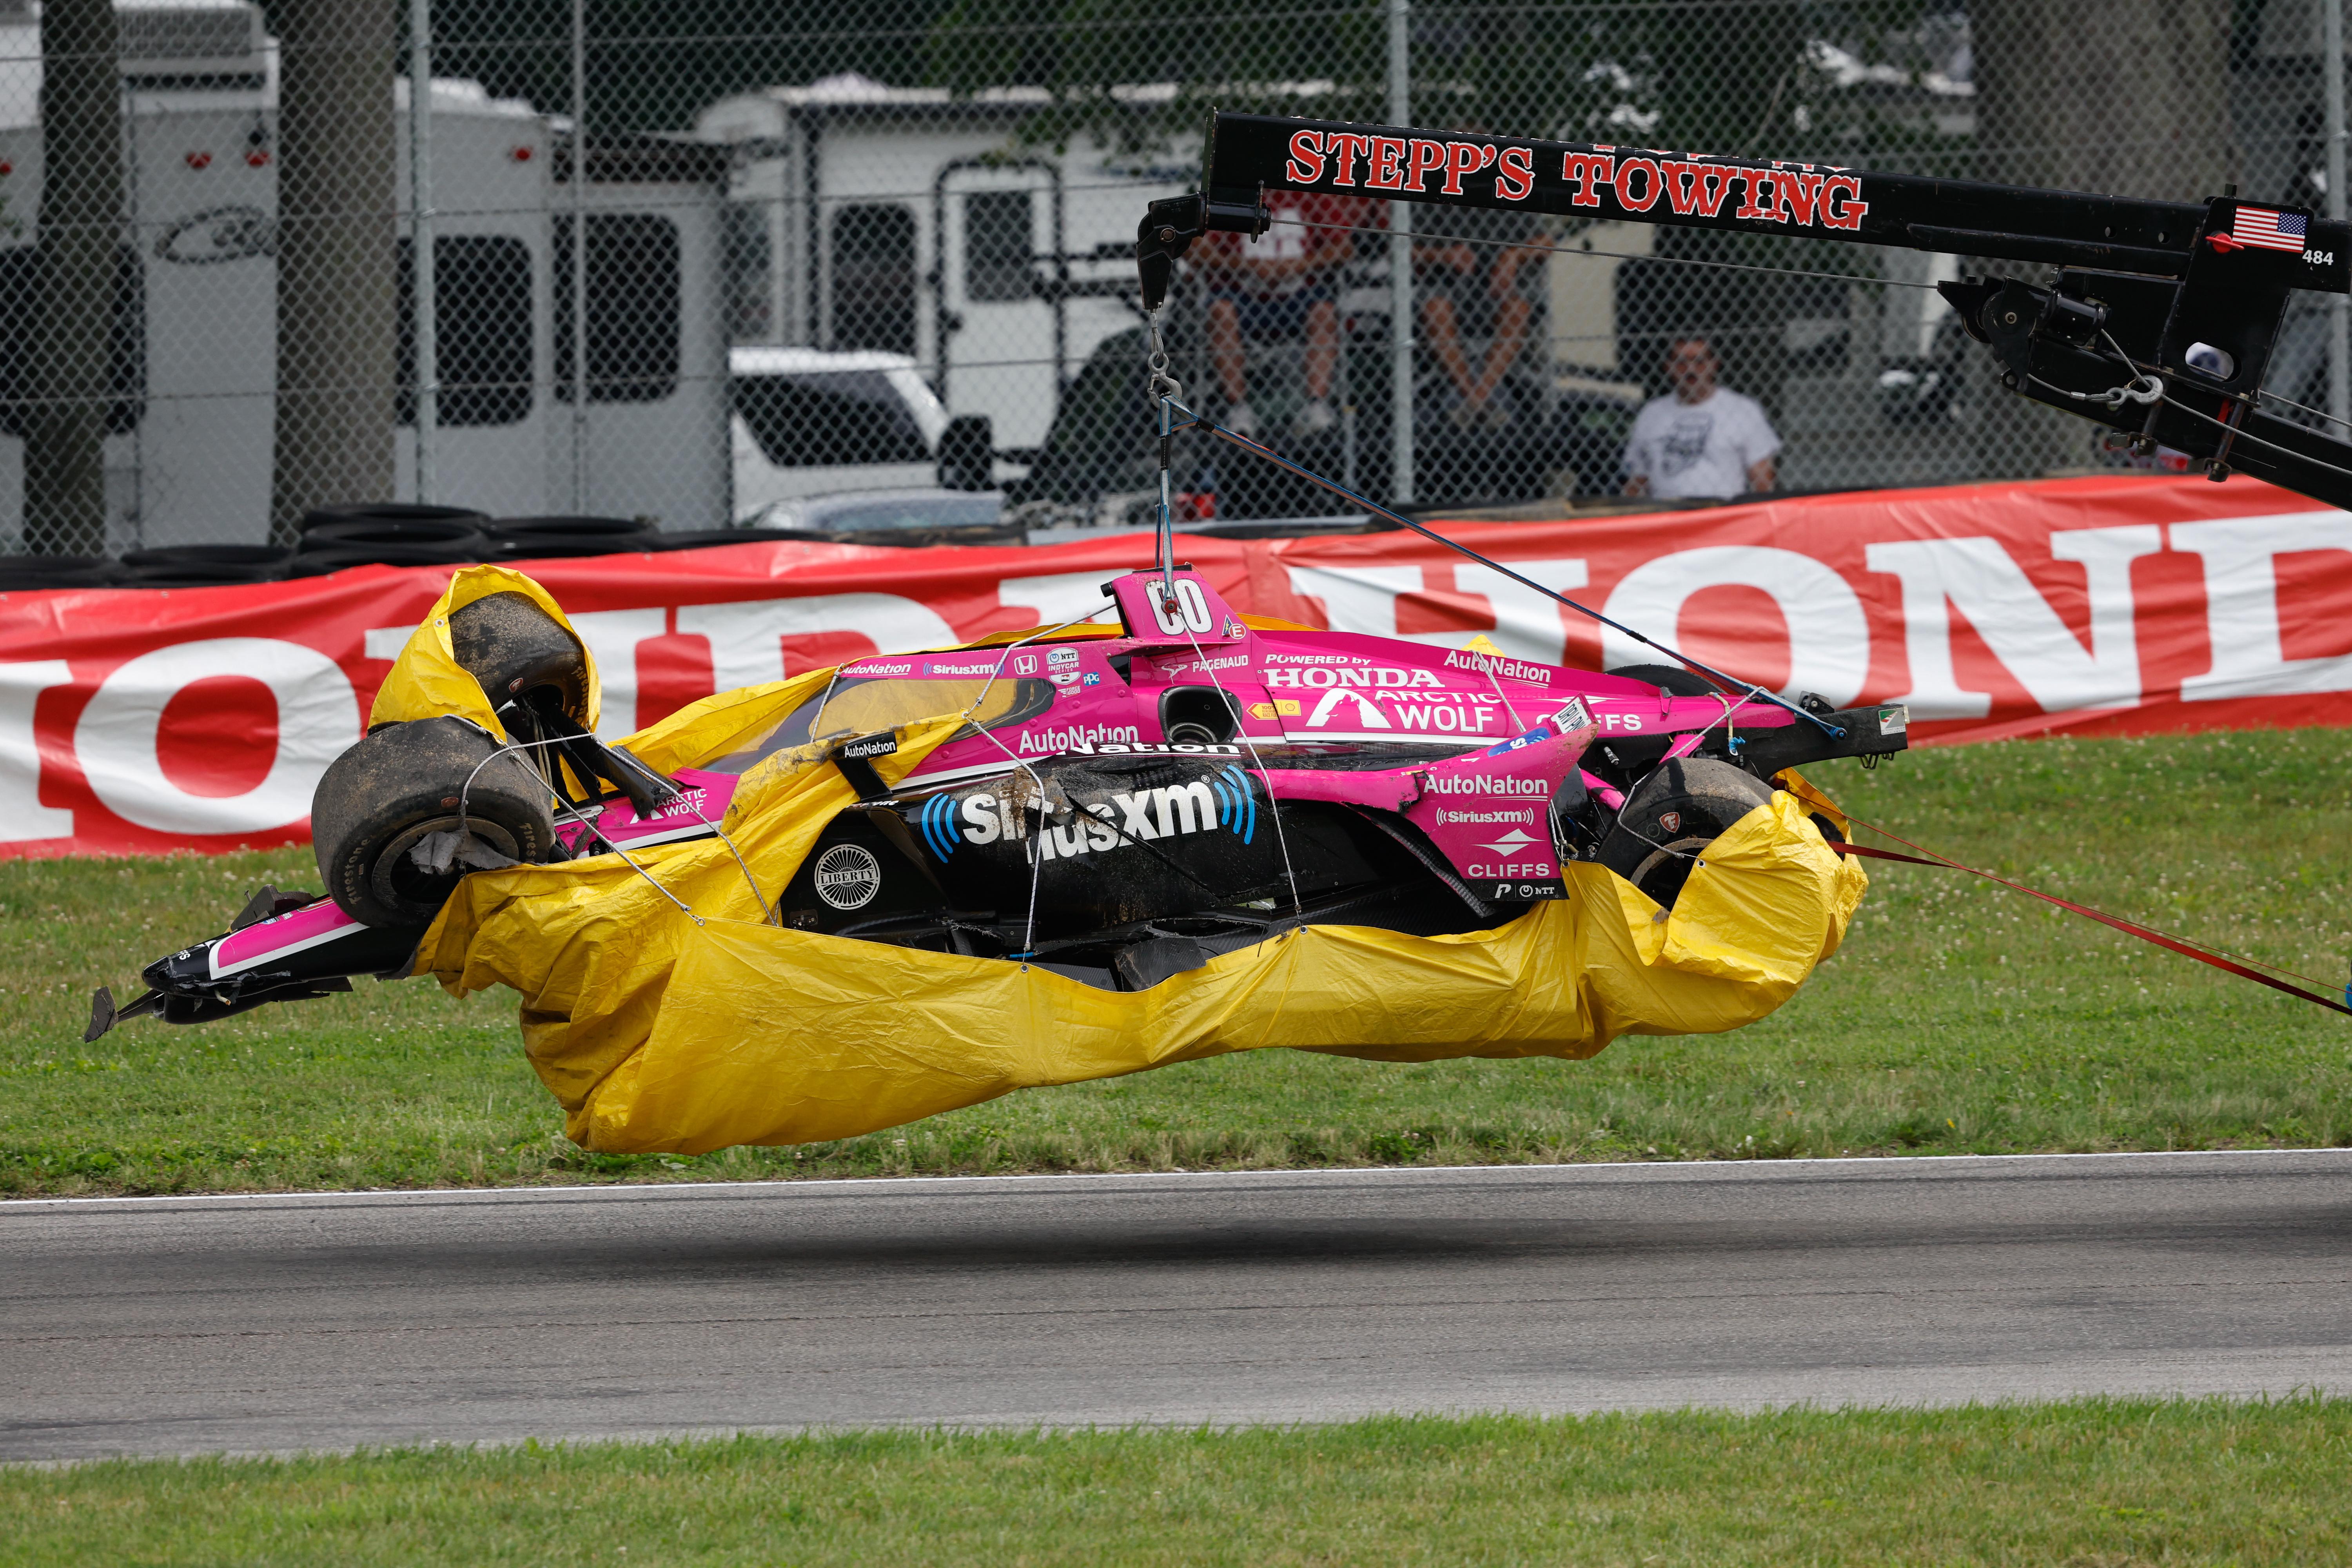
point(200, 140)
point(913, 221)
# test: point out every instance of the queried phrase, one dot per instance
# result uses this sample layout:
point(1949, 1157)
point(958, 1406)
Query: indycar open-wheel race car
point(841, 901)
point(865, 894)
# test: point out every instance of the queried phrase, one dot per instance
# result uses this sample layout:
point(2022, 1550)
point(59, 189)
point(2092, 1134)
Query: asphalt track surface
point(332, 1319)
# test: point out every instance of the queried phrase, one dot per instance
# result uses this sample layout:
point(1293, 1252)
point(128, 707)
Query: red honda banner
point(139, 720)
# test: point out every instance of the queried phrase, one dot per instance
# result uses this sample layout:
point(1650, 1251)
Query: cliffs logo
point(1223, 800)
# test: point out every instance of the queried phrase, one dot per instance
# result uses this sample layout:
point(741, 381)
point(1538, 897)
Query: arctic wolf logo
point(1224, 799)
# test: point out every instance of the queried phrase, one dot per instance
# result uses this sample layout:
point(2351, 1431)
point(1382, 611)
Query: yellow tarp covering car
point(666, 1014)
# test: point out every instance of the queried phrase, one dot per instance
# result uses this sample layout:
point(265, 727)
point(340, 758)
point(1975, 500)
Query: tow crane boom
point(2160, 322)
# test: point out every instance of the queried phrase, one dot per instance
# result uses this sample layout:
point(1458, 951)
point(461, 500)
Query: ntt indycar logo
point(1487, 783)
point(1224, 800)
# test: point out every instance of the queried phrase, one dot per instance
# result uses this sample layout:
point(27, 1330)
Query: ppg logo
point(1189, 613)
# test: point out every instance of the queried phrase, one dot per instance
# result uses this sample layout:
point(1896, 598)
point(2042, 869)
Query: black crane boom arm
point(2189, 294)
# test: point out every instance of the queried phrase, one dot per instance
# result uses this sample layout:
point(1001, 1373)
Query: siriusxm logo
point(1224, 799)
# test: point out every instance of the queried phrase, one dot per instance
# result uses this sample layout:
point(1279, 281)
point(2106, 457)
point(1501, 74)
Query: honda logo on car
point(1374, 676)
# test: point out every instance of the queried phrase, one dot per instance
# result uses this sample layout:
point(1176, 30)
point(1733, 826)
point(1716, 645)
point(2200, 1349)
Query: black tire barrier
point(562, 527)
point(704, 538)
point(557, 537)
point(505, 551)
point(320, 563)
point(36, 573)
point(204, 565)
point(389, 511)
point(399, 542)
point(386, 821)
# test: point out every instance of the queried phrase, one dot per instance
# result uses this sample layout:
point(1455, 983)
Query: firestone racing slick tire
point(386, 819)
point(1671, 819)
point(512, 647)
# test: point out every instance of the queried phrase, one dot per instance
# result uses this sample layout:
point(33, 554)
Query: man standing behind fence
point(1705, 440)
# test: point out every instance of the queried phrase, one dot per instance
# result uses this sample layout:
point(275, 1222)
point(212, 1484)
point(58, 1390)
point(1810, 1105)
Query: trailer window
point(750, 266)
point(481, 329)
point(874, 278)
point(24, 295)
point(633, 307)
point(821, 417)
point(997, 241)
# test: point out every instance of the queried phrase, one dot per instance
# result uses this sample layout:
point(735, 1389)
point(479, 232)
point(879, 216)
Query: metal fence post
point(578, 323)
point(2340, 320)
point(1401, 266)
point(420, 242)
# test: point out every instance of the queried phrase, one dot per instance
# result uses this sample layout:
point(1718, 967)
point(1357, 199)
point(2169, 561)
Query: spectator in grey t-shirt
point(1704, 441)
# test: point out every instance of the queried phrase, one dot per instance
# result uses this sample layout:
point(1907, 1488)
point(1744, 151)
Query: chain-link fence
point(859, 267)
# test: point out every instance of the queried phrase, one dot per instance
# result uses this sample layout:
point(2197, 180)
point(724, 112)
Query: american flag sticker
point(2270, 229)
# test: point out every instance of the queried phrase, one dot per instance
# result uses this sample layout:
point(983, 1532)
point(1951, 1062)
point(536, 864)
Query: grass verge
point(1960, 1018)
point(2085, 1482)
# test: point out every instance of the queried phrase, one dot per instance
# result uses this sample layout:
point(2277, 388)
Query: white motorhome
point(910, 221)
point(200, 140)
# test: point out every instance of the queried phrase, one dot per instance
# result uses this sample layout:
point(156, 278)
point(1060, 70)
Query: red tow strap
point(2175, 944)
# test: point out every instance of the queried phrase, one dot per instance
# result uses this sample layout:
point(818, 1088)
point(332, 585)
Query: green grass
point(2088, 1482)
point(1960, 1018)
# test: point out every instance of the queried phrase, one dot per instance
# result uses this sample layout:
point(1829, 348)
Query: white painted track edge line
point(1937, 1166)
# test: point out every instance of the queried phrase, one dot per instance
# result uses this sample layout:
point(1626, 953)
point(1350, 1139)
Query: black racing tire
point(1672, 680)
point(404, 783)
point(511, 646)
point(1671, 819)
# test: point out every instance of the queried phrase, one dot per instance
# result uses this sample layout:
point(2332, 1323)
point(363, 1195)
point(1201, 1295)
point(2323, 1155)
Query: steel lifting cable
point(1729, 683)
point(2240, 965)
point(1165, 390)
point(465, 793)
point(1021, 765)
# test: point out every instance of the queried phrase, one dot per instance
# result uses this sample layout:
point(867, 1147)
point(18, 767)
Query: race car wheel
point(1671, 819)
point(511, 646)
point(386, 822)
point(1673, 680)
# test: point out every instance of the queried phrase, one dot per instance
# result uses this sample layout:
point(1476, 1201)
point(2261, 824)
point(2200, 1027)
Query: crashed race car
point(1129, 814)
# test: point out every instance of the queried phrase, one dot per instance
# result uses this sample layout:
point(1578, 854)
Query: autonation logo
point(1487, 784)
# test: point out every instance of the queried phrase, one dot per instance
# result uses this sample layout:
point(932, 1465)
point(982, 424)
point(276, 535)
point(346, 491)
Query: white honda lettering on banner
point(1828, 635)
point(1528, 622)
point(747, 647)
point(1978, 577)
point(22, 818)
point(1992, 610)
point(2241, 614)
point(1055, 598)
point(318, 721)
